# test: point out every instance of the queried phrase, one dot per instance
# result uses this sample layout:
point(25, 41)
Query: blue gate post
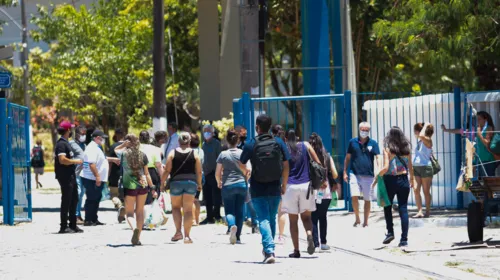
point(316, 58)
point(237, 112)
point(27, 121)
point(246, 118)
point(347, 138)
point(8, 217)
point(457, 102)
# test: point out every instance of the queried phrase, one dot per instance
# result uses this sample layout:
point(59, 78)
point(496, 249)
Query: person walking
point(320, 215)
point(65, 174)
point(211, 193)
point(361, 155)
point(155, 167)
point(269, 158)
point(396, 169)
point(231, 179)
point(172, 142)
point(95, 172)
point(422, 167)
point(115, 173)
point(136, 183)
point(298, 199)
point(184, 167)
point(278, 131)
point(38, 162)
point(78, 147)
point(195, 145)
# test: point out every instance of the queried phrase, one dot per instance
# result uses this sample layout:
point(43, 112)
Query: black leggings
point(320, 215)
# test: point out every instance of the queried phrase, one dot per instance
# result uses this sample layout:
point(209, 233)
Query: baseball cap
point(66, 125)
point(99, 133)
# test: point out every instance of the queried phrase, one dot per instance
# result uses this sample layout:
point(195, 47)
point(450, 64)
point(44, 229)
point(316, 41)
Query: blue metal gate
point(15, 163)
point(329, 116)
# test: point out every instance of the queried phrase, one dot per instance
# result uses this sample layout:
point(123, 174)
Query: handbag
point(436, 167)
point(317, 174)
point(176, 171)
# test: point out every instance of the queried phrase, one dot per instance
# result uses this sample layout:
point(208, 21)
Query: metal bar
point(347, 138)
point(278, 110)
point(5, 163)
point(299, 98)
point(458, 140)
point(28, 162)
point(10, 168)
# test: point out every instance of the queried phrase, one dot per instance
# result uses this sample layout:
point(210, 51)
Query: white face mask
point(364, 134)
point(82, 138)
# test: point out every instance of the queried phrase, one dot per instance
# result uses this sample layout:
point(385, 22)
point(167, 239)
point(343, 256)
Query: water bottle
point(319, 196)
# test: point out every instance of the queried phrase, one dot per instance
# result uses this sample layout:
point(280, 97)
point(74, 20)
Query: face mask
point(364, 134)
point(82, 138)
point(207, 135)
point(243, 138)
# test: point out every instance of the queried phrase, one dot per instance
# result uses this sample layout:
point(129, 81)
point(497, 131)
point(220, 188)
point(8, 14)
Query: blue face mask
point(207, 135)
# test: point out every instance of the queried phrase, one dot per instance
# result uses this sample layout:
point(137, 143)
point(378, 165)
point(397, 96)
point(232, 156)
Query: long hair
point(291, 143)
point(317, 144)
point(487, 117)
point(397, 143)
point(135, 158)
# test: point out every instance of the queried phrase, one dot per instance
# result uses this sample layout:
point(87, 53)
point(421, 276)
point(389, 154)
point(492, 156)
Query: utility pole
point(159, 95)
point(172, 67)
point(24, 58)
point(263, 21)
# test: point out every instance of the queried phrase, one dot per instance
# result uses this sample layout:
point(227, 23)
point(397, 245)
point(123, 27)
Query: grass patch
point(470, 270)
point(452, 264)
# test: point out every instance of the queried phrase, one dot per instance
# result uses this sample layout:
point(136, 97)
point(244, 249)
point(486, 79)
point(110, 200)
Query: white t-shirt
point(94, 154)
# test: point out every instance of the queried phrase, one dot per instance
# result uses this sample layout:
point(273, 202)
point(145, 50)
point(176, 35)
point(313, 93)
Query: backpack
point(495, 144)
point(267, 159)
point(317, 173)
point(37, 161)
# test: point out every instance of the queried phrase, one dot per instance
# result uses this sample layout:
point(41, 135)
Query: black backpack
point(37, 160)
point(267, 159)
point(317, 173)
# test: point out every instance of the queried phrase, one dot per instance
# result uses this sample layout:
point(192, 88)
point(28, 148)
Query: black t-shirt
point(63, 148)
point(115, 173)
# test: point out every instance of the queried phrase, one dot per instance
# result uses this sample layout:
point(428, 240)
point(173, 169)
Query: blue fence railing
point(15, 163)
point(327, 115)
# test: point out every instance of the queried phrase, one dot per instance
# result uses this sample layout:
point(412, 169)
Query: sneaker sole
point(310, 245)
point(270, 260)
point(232, 235)
point(121, 215)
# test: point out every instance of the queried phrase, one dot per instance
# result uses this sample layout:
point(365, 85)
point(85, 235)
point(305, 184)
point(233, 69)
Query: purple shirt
point(299, 165)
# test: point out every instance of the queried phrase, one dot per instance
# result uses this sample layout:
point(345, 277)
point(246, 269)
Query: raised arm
point(426, 140)
point(312, 153)
point(452, 131)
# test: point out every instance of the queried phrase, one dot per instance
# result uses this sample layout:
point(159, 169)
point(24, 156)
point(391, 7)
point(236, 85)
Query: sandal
point(356, 224)
point(135, 237)
point(177, 237)
point(188, 240)
point(418, 216)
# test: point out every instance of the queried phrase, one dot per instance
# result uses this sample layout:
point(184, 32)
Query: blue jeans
point(398, 186)
point(250, 213)
point(81, 192)
point(94, 195)
point(267, 209)
point(234, 204)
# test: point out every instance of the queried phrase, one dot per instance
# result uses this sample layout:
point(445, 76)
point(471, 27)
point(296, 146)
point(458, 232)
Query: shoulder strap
point(184, 162)
point(402, 161)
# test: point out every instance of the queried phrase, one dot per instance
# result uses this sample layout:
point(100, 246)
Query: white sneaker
point(325, 247)
point(232, 235)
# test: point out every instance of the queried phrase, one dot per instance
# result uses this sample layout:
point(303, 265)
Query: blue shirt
point(263, 189)
point(362, 156)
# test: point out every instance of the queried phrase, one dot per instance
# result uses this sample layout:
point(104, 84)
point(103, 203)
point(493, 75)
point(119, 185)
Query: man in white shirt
point(94, 175)
point(173, 140)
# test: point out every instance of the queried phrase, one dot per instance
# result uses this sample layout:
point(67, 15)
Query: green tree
point(444, 43)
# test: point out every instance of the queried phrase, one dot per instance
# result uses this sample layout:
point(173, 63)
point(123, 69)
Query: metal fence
point(327, 115)
point(15, 163)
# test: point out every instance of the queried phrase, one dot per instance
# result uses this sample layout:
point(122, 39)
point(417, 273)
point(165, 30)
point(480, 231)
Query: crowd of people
point(260, 180)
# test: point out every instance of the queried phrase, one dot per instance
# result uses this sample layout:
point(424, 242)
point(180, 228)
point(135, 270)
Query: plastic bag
point(105, 192)
point(461, 185)
point(335, 199)
point(164, 202)
point(382, 196)
point(153, 215)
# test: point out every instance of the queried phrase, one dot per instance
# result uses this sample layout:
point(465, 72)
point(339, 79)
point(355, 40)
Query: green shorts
point(423, 171)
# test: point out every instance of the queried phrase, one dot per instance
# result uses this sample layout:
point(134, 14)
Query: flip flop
point(188, 240)
point(418, 216)
point(135, 237)
point(177, 237)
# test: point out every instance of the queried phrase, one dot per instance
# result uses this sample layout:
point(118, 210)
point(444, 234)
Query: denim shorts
point(178, 188)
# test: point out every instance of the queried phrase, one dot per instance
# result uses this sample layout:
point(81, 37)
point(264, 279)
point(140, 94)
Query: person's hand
point(336, 187)
point(283, 189)
point(443, 127)
point(412, 183)
point(98, 181)
point(79, 161)
point(162, 188)
point(479, 132)
point(200, 187)
point(219, 185)
point(127, 143)
point(325, 185)
point(346, 177)
point(154, 194)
